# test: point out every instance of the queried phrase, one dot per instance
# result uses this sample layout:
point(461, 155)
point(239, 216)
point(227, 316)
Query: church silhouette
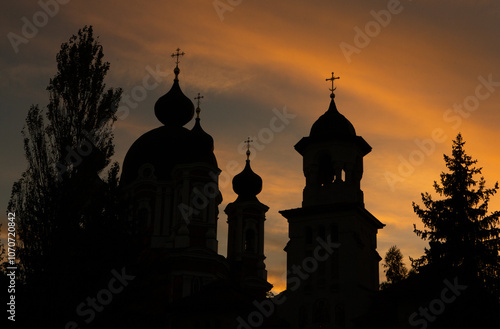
point(170, 184)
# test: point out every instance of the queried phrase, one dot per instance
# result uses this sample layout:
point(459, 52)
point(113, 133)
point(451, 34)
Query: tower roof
point(332, 124)
point(174, 108)
point(202, 144)
point(247, 184)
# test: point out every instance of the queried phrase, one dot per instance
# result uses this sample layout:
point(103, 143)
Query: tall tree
point(68, 216)
point(395, 269)
point(463, 235)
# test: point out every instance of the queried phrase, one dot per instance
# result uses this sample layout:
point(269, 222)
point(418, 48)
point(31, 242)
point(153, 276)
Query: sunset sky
point(411, 73)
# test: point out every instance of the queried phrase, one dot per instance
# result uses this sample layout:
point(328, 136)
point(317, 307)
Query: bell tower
point(245, 248)
point(333, 159)
point(332, 230)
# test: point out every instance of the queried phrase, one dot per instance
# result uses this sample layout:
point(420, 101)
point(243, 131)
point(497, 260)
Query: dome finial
point(332, 79)
point(177, 54)
point(248, 141)
point(198, 110)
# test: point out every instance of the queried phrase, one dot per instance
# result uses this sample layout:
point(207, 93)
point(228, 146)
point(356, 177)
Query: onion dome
point(174, 108)
point(157, 152)
point(202, 144)
point(332, 124)
point(247, 184)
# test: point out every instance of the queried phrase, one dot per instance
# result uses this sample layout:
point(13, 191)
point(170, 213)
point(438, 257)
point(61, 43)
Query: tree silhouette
point(69, 227)
point(463, 237)
point(395, 269)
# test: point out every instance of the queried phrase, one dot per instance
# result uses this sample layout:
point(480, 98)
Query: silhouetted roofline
point(321, 209)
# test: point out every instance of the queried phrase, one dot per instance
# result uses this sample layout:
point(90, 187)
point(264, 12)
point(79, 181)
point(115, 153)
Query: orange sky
point(418, 60)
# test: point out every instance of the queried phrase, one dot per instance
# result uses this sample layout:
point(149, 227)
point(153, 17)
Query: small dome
point(332, 124)
point(247, 184)
point(174, 108)
point(202, 145)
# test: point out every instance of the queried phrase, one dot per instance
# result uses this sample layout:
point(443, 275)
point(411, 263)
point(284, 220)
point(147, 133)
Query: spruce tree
point(464, 237)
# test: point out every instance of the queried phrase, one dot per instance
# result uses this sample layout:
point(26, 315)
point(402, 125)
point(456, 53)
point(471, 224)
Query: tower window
point(250, 240)
point(326, 175)
point(195, 285)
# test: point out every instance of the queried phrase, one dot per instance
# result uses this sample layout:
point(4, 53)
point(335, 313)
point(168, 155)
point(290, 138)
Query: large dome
point(156, 153)
point(332, 124)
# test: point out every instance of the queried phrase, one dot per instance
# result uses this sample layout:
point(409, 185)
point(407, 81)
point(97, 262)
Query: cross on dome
point(332, 79)
point(198, 110)
point(177, 54)
point(248, 141)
